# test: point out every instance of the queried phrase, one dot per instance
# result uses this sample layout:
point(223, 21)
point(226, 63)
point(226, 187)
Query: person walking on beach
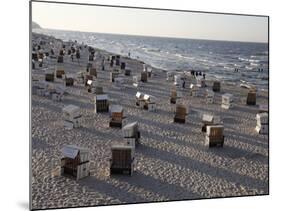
point(78, 55)
point(71, 57)
point(103, 63)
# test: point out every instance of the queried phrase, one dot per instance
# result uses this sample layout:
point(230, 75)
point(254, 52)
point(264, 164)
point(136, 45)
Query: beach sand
point(172, 162)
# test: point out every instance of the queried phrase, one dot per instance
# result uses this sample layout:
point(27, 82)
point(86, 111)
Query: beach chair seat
point(138, 135)
point(89, 66)
point(41, 55)
point(60, 59)
point(145, 106)
point(69, 81)
point(60, 73)
point(114, 123)
point(113, 75)
point(151, 106)
point(122, 160)
point(210, 97)
point(173, 100)
point(173, 97)
point(181, 112)
point(93, 71)
point(127, 72)
point(178, 119)
point(214, 141)
point(123, 65)
point(49, 77)
point(204, 127)
point(75, 162)
point(227, 101)
point(117, 117)
point(101, 103)
point(251, 98)
point(214, 136)
point(144, 76)
point(78, 56)
point(35, 56)
point(216, 86)
point(98, 90)
point(117, 61)
point(149, 72)
point(142, 104)
point(205, 124)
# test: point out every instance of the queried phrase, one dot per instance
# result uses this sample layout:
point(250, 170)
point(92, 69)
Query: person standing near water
point(71, 57)
point(78, 55)
point(103, 63)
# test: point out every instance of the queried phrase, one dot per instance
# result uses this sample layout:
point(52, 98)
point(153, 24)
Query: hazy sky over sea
point(150, 22)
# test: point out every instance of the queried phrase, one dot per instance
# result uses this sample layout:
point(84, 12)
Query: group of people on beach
point(195, 74)
point(237, 70)
point(198, 73)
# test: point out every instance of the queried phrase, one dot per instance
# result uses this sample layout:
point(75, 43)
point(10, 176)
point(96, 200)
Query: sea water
point(218, 59)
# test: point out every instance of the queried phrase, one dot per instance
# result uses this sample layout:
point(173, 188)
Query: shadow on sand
point(204, 168)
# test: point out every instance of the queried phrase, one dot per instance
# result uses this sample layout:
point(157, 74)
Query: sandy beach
point(172, 162)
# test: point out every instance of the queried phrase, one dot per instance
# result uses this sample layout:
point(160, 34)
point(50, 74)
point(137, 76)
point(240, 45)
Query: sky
point(147, 22)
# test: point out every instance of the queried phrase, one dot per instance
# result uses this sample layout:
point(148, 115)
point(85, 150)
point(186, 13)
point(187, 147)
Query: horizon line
point(135, 35)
